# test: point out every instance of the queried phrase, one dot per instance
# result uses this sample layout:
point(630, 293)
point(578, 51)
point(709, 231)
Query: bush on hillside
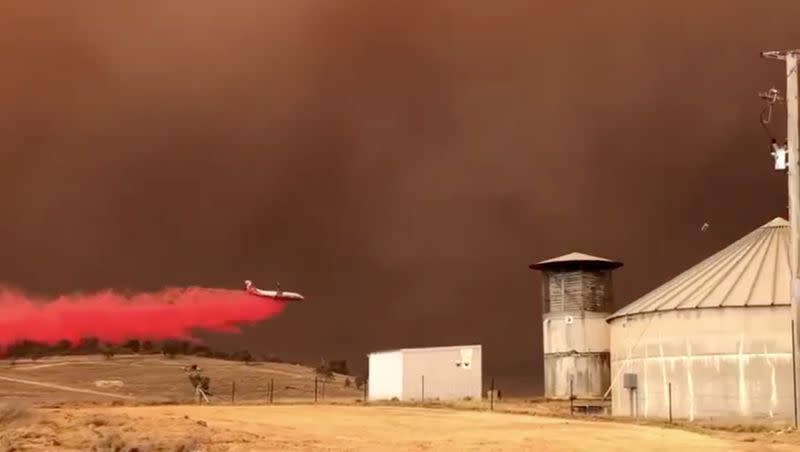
point(271, 358)
point(147, 347)
point(244, 356)
point(324, 372)
point(133, 345)
point(108, 351)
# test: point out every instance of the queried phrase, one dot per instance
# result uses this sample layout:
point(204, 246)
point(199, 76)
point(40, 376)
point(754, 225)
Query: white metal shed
point(443, 373)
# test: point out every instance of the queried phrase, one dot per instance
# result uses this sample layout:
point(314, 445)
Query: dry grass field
point(152, 379)
point(143, 403)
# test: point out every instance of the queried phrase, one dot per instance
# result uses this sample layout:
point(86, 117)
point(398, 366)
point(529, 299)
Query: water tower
point(577, 296)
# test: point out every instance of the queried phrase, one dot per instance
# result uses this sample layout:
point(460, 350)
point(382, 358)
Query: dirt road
point(353, 428)
point(64, 388)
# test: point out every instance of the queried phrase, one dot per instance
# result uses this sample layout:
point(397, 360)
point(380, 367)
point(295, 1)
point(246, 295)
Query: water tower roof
point(574, 258)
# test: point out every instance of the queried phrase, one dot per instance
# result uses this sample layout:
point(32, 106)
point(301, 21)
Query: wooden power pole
point(790, 57)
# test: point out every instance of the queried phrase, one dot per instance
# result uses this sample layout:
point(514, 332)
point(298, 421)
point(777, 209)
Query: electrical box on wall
point(629, 381)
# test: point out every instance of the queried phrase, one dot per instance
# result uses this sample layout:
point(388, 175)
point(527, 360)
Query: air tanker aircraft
point(276, 294)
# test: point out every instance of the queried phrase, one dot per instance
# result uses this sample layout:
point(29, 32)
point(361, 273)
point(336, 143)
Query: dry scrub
point(12, 413)
point(101, 432)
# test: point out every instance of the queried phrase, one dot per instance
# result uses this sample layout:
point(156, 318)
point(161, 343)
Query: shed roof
point(752, 271)
point(575, 258)
point(420, 349)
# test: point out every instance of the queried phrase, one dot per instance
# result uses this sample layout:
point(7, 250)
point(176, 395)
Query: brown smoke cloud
point(399, 162)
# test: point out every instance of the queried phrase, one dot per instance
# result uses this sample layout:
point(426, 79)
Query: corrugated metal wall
point(385, 376)
point(721, 362)
point(576, 291)
point(576, 347)
point(576, 335)
point(444, 379)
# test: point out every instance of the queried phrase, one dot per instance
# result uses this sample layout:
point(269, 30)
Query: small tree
point(89, 345)
point(19, 349)
point(359, 382)
point(64, 346)
point(108, 350)
point(347, 383)
point(15, 351)
point(220, 355)
point(324, 372)
point(339, 367)
point(184, 347)
point(133, 345)
point(147, 346)
point(201, 350)
point(272, 358)
point(170, 349)
point(244, 356)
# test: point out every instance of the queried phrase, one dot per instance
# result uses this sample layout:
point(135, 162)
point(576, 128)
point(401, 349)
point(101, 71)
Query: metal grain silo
point(714, 342)
point(577, 295)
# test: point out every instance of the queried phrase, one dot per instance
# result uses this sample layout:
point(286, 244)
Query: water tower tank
point(577, 296)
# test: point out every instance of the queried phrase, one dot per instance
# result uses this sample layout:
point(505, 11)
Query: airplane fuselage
point(275, 294)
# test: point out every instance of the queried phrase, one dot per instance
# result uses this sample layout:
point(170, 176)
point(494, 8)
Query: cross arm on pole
point(779, 54)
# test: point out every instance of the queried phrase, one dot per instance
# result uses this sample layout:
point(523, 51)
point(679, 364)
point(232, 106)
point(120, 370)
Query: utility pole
point(790, 57)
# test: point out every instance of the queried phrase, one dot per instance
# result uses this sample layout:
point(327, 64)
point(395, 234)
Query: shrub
point(170, 349)
point(64, 346)
point(201, 350)
point(243, 356)
point(324, 372)
point(89, 345)
point(147, 346)
point(133, 345)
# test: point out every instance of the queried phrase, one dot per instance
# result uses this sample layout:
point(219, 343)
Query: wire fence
point(272, 390)
point(275, 389)
point(154, 379)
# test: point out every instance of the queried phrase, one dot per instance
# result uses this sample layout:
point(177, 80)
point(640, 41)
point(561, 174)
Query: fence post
point(571, 399)
point(323, 388)
point(669, 391)
point(233, 391)
point(423, 389)
point(365, 391)
point(491, 396)
point(271, 390)
point(316, 382)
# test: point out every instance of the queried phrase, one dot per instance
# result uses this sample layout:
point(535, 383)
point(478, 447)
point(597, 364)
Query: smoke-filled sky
point(400, 163)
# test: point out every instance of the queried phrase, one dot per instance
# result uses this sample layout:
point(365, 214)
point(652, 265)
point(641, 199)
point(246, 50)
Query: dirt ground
point(342, 428)
point(143, 403)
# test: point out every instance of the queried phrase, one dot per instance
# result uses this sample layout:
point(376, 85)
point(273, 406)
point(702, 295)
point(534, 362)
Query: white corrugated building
point(414, 374)
point(719, 334)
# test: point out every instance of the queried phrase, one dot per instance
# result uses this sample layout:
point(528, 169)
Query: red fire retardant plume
point(111, 317)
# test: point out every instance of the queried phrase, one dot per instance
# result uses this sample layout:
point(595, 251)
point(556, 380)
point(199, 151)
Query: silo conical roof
point(753, 271)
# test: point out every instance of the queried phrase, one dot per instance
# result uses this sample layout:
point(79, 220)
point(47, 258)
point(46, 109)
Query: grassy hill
point(150, 379)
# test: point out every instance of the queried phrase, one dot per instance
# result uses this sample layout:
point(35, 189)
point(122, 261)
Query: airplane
point(276, 294)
